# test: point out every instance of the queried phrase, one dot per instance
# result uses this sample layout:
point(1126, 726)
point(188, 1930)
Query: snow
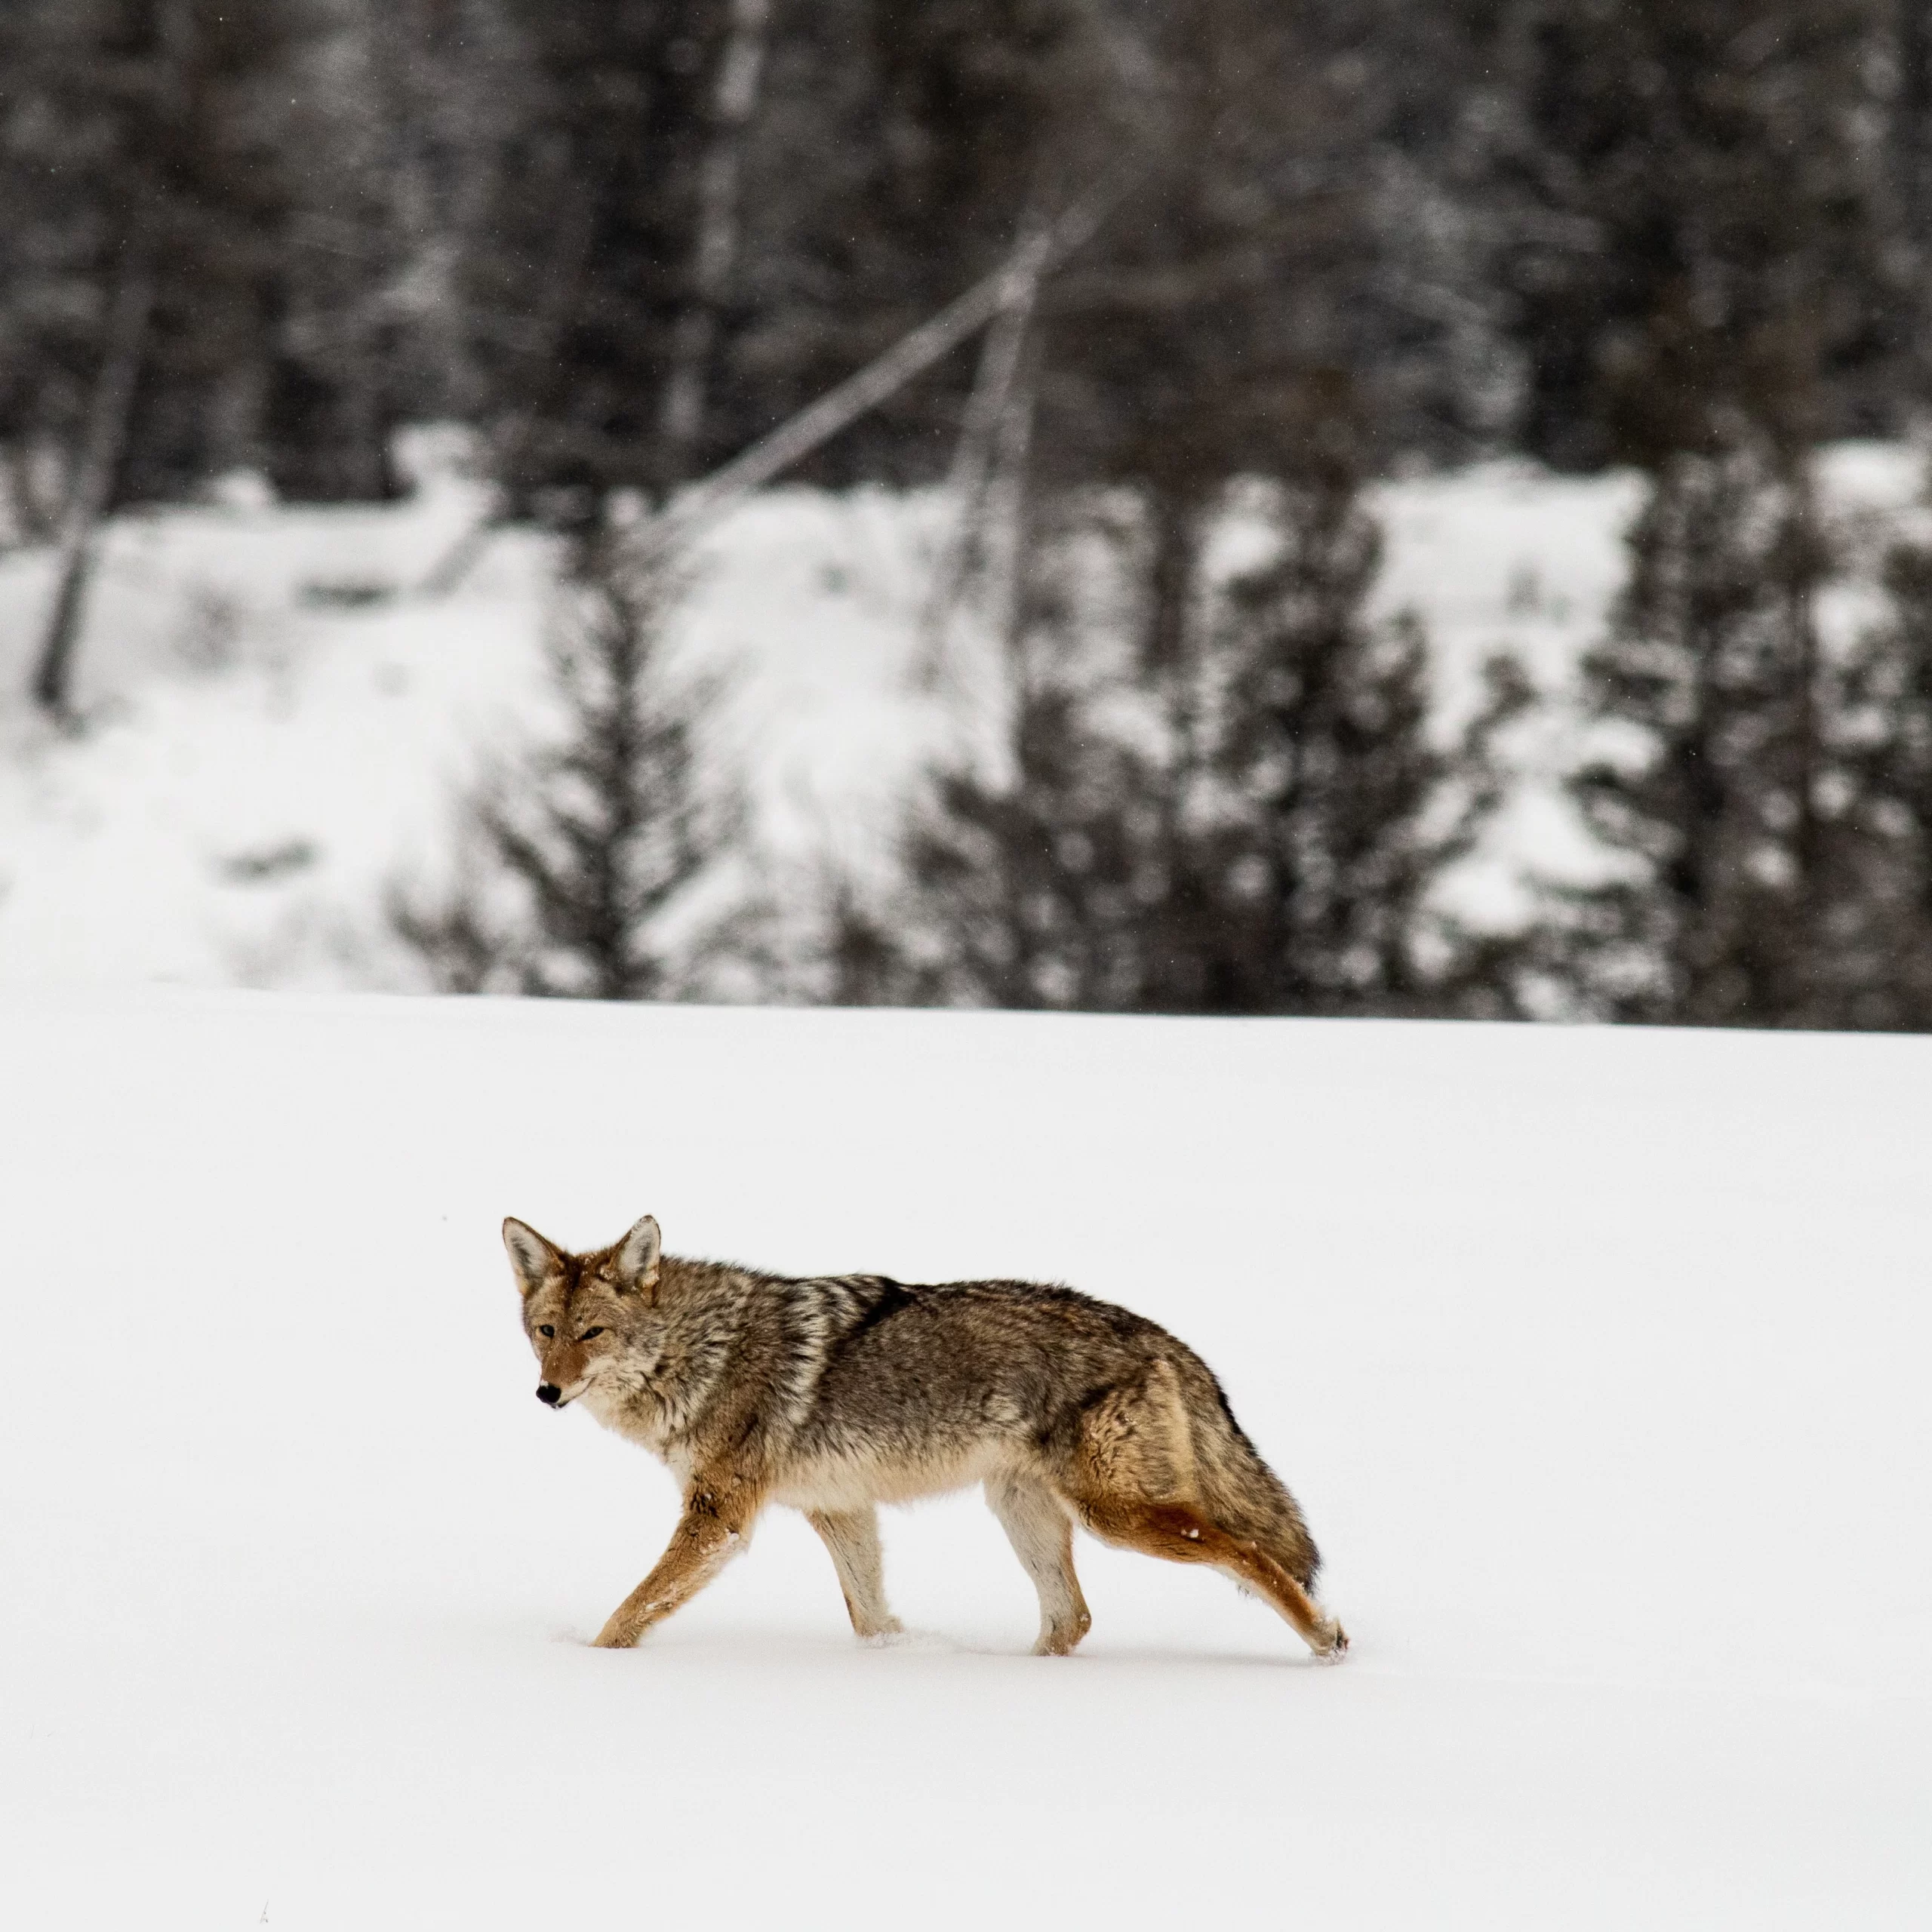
point(265, 753)
point(1597, 1359)
point(279, 725)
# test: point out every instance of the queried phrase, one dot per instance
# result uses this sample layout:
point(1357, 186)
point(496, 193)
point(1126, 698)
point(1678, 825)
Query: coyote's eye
point(590, 1334)
point(546, 1330)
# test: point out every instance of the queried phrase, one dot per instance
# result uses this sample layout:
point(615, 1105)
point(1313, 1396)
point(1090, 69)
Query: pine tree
point(143, 132)
point(1688, 182)
point(577, 859)
point(1722, 320)
point(1033, 888)
point(366, 329)
point(1278, 795)
point(1339, 813)
point(1722, 795)
point(579, 268)
point(1881, 941)
point(1254, 818)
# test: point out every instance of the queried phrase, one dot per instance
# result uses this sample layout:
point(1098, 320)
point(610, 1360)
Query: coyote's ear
point(637, 1258)
point(532, 1258)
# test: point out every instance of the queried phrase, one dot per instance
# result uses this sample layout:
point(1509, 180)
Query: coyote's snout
point(834, 1394)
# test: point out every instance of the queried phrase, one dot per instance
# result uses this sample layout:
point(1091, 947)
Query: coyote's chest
point(632, 1408)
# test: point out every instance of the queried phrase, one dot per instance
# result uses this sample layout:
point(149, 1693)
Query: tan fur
point(833, 1394)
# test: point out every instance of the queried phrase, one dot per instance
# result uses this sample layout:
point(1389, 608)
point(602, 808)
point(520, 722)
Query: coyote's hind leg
point(852, 1537)
point(1041, 1535)
point(1182, 1532)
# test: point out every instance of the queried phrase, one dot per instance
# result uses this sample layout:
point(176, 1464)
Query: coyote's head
point(581, 1311)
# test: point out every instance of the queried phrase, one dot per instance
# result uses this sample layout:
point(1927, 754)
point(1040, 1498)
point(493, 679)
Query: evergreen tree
point(779, 192)
point(142, 132)
point(1729, 306)
point(1030, 888)
point(1690, 183)
point(1723, 793)
point(1882, 940)
point(1259, 822)
point(1339, 813)
point(1910, 125)
point(282, 172)
point(577, 859)
point(580, 267)
point(365, 328)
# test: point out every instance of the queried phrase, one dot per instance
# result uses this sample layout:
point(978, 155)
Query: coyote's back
point(833, 1394)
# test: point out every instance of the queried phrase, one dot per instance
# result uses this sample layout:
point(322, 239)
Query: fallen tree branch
point(1009, 284)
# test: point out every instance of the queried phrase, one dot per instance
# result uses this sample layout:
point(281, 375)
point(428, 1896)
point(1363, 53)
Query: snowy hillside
point(276, 733)
point(1597, 1357)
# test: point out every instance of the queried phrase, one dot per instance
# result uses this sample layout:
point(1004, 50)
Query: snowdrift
point(1597, 1359)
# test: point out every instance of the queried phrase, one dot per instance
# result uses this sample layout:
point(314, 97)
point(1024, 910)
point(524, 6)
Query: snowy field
point(278, 726)
point(1597, 1358)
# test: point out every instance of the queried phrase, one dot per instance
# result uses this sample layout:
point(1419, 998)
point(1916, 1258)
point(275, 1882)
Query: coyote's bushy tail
point(1245, 1496)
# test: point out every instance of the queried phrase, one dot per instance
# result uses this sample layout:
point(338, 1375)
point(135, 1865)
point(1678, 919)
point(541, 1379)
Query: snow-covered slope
point(265, 751)
point(1597, 1358)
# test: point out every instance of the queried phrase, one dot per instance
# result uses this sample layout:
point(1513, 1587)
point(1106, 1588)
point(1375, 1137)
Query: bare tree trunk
point(94, 480)
point(1013, 458)
point(998, 426)
point(733, 105)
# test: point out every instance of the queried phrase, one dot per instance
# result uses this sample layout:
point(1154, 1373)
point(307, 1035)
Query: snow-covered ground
point(278, 727)
point(1597, 1358)
point(276, 733)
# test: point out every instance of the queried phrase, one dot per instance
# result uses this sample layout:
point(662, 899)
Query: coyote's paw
point(615, 1636)
point(1337, 1647)
point(885, 1634)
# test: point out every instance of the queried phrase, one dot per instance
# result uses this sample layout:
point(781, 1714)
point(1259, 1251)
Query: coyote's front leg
point(717, 1520)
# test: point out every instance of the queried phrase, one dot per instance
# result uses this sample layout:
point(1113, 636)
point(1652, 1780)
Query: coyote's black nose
point(549, 1392)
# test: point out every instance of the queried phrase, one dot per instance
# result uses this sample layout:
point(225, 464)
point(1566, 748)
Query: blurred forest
point(1253, 253)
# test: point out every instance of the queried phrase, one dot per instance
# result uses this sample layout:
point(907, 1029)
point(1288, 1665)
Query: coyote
point(836, 1393)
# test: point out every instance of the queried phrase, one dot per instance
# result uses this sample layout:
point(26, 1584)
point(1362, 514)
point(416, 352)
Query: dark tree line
point(1548, 223)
